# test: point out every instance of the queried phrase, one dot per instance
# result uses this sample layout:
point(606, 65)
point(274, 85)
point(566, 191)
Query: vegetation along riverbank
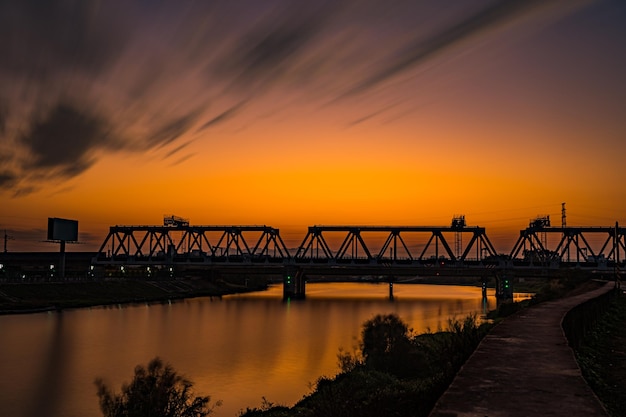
point(396, 373)
point(392, 373)
point(602, 357)
point(45, 296)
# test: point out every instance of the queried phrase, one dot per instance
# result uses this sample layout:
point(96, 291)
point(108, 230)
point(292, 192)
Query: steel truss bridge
point(573, 245)
point(154, 245)
point(181, 244)
point(363, 250)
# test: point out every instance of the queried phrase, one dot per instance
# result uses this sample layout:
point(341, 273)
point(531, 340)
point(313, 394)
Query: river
point(237, 349)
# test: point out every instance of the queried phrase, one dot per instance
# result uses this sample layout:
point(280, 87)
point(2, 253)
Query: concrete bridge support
point(294, 284)
point(504, 287)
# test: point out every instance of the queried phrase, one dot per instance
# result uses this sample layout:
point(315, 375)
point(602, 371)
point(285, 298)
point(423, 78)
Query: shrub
point(155, 391)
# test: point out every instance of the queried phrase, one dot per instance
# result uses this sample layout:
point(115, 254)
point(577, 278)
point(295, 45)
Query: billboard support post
point(62, 261)
point(62, 231)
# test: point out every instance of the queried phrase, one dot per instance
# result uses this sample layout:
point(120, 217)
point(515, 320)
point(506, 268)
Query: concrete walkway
point(524, 367)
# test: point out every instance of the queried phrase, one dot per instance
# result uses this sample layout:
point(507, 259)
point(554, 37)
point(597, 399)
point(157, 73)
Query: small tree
point(157, 391)
point(386, 345)
point(384, 335)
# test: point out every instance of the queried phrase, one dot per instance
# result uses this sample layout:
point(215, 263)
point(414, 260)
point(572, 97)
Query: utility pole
point(6, 238)
point(616, 243)
point(563, 225)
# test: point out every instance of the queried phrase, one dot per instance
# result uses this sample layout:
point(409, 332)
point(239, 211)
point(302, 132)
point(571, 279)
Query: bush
point(391, 373)
point(364, 393)
point(157, 391)
point(386, 344)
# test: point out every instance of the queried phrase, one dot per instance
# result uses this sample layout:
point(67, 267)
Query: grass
point(602, 358)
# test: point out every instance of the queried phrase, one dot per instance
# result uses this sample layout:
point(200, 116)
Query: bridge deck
point(524, 367)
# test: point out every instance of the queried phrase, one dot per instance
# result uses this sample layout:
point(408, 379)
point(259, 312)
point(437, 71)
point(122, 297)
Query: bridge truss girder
point(573, 239)
point(149, 244)
point(354, 248)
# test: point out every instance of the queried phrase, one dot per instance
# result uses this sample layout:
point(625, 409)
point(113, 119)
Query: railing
point(579, 320)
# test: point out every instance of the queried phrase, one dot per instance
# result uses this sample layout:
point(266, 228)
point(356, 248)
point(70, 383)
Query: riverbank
point(364, 393)
point(17, 298)
point(33, 297)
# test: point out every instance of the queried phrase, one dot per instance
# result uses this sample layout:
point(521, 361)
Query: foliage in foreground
point(392, 373)
point(155, 391)
point(602, 359)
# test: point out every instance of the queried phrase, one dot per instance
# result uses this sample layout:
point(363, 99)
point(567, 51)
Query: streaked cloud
point(222, 117)
point(80, 79)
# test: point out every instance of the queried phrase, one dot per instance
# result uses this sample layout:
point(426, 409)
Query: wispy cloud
point(80, 79)
point(181, 160)
point(222, 117)
point(176, 150)
point(421, 49)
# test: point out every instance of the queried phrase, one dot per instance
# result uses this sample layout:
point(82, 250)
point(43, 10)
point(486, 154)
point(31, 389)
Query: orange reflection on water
point(237, 349)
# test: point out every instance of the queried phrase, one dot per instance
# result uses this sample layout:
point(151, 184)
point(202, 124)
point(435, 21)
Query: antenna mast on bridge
point(458, 223)
point(540, 223)
point(174, 221)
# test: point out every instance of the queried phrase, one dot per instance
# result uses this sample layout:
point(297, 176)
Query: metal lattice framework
point(573, 245)
point(154, 244)
point(354, 248)
point(180, 243)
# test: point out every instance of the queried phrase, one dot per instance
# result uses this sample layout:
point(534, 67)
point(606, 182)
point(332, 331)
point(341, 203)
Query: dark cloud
point(496, 13)
point(52, 53)
point(261, 54)
point(4, 112)
point(63, 139)
point(371, 115)
point(176, 150)
point(222, 117)
point(7, 179)
point(267, 50)
point(42, 37)
point(61, 190)
point(173, 129)
point(181, 160)
point(24, 191)
point(63, 143)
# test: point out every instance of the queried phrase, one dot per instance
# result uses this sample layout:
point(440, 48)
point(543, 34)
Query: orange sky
point(362, 113)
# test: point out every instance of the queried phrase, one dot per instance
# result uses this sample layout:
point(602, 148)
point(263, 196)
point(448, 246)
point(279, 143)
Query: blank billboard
point(62, 229)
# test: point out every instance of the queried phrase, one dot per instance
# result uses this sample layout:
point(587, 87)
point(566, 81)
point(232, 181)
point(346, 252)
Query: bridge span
point(360, 250)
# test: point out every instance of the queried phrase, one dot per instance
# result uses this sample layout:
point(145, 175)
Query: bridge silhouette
point(366, 250)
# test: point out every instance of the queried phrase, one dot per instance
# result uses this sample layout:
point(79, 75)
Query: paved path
point(524, 367)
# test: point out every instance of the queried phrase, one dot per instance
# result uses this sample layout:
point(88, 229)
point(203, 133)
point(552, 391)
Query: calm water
point(237, 349)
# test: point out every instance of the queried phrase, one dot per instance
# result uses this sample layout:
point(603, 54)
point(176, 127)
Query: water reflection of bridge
point(360, 250)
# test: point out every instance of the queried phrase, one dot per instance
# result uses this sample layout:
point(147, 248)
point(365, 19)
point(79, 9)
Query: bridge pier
point(504, 287)
point(294, 284)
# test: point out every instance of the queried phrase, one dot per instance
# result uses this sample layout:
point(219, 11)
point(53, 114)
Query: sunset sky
point(295, 113)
